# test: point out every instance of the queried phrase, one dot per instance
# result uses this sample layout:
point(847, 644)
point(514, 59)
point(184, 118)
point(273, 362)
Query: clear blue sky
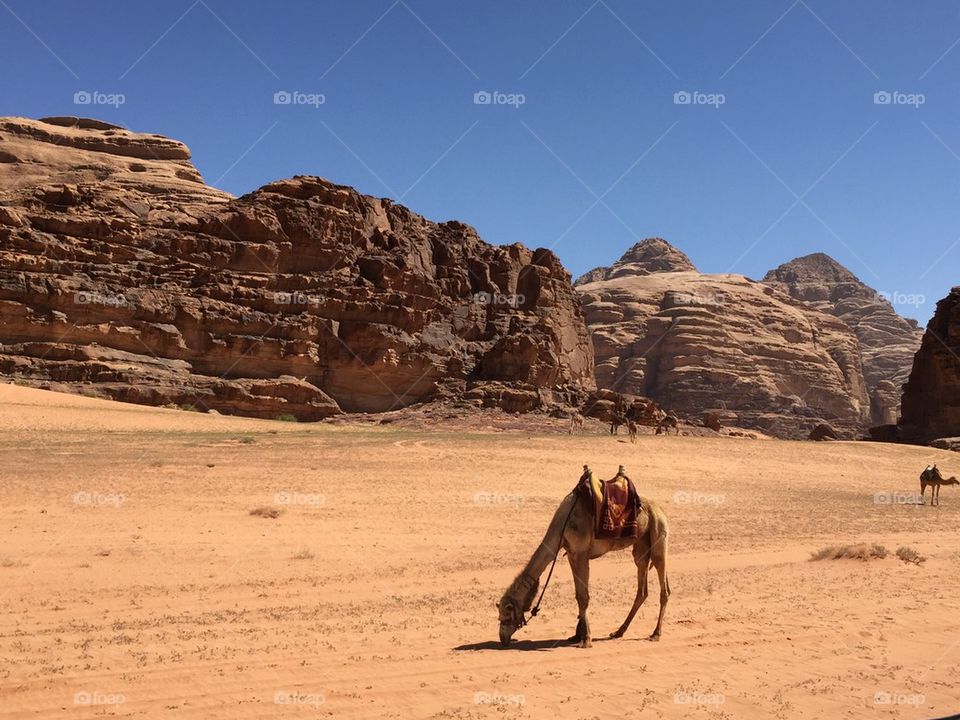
point(728, 184)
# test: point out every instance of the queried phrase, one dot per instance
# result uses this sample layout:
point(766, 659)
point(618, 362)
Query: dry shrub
point(267, 511)
point(909, 555)
point(860, 551)
point(303, 553)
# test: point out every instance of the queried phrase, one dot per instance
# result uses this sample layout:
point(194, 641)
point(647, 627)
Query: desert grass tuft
point(860, 551)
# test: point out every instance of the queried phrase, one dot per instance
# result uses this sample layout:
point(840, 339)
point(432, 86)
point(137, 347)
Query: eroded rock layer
point(123, 274)
point(723, 344)
point(888, 341)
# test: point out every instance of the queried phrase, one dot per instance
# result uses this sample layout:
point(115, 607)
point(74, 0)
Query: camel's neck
point(524, 586)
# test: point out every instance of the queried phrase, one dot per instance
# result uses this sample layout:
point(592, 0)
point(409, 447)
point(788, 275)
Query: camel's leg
point(659, 557)
point(923, 489)
point(580, 567)
point(641, 555)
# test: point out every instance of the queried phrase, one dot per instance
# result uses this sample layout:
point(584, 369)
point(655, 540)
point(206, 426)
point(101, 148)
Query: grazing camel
point(572, 529)
point(576, 423)
point(934, 478)
point(618, 419)
point(667, 422)
point(632, 430)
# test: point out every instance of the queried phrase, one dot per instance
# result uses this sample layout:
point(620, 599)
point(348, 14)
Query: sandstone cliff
point(888, 341)
point(721, 343)
point(931, 397)
point(123, 274)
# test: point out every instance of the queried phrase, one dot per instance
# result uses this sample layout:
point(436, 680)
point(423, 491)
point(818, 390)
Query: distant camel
point(618, 420)
point(632, 430)
point(576, 423)
point(572, 529)
point(669, 421)
point(933, 477)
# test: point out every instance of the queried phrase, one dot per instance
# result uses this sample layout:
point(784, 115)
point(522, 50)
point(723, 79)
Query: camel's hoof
point(616, 634)
point(655, 637)
point(585, 643)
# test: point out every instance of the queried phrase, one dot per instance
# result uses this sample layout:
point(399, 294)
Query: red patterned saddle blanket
point(615, 503)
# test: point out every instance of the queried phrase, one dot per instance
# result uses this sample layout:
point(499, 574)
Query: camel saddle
point(615, 504)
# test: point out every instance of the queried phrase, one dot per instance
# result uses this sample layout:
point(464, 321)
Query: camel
point(632, 430)
point(934, 478)
point(618, 420)
point(576, 423)
point(572, 529)
point(667, 422)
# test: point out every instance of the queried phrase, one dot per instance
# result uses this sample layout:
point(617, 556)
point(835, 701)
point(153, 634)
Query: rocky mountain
point(888, 341)
point(931, 397)
point(122, 274)
point(699, 343)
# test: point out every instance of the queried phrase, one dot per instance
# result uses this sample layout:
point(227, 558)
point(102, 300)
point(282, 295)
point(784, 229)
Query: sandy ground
point(135, 583)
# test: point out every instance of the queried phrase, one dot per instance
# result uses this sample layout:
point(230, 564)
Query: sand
point(135, 583)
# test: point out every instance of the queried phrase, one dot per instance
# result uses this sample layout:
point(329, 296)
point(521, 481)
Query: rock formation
point(122, 274)
point(698, 343)
point(888, 341)
point(931, 397)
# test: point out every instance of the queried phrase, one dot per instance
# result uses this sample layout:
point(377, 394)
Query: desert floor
point(134, 582)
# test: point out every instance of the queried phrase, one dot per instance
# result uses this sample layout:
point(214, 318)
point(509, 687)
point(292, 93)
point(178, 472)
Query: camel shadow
point(522, 645)
point(528, 645)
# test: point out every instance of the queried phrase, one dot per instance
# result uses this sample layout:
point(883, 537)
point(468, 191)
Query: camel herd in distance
point(637, 413)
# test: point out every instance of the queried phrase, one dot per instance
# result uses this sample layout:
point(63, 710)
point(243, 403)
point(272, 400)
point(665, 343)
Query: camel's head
point(515, 603)
point(511, 618)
